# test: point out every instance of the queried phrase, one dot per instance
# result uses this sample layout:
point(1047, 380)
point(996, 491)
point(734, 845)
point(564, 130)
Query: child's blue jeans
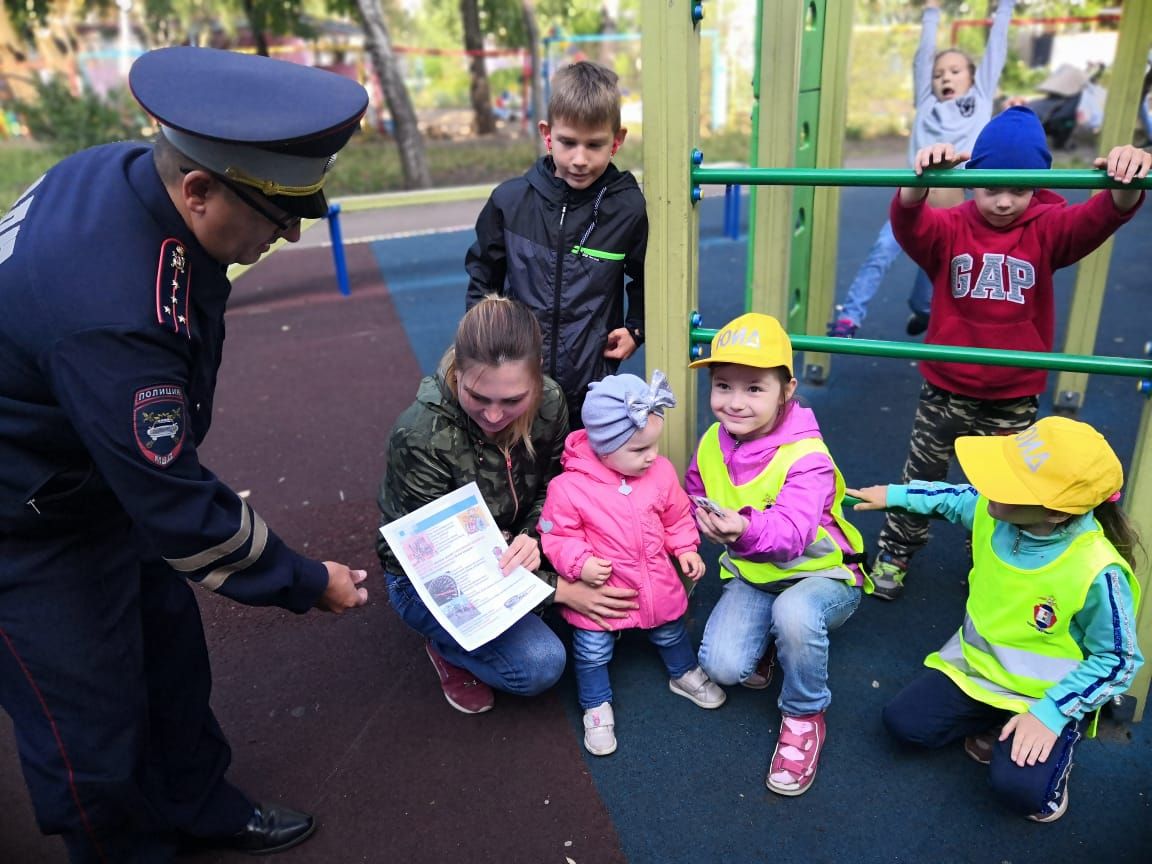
point(525, 659)
point(745, 620)
point(933, 712)
point(592, 651)
point(885, 250)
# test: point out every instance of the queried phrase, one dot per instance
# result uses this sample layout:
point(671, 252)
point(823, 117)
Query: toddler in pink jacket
point(615, 515)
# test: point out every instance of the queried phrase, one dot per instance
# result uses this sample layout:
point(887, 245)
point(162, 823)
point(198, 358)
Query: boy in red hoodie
point(991, 261)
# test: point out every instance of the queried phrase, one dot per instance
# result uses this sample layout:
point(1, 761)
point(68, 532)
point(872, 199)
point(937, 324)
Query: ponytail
point(1119, 531)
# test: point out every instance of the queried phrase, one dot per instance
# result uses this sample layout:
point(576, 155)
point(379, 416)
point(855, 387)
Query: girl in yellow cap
point(790, 558)
point(1049, 631)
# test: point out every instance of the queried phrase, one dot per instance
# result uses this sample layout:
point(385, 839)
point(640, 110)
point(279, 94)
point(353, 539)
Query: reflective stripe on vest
point(1016, 641)
point(822, 557)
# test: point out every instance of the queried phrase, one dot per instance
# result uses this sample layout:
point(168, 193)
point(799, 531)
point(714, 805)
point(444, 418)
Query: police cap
point(269, 124)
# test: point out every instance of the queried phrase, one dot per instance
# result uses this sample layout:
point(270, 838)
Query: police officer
point(112, 297)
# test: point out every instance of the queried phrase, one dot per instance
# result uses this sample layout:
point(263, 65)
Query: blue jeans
point(932, 712)
point(745, 620)
point(885, 250)
point(592, 651)
point(525, 659)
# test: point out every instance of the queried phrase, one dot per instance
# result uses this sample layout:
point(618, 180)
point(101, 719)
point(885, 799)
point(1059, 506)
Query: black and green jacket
point(435, 448)
point(565, 253)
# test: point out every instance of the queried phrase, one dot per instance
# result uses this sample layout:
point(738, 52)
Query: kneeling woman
point(488, 415)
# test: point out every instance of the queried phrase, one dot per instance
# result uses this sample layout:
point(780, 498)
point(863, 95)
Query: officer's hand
point(342, 592)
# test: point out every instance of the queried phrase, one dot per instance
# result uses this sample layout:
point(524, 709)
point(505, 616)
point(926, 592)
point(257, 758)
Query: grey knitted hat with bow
point(619, 405)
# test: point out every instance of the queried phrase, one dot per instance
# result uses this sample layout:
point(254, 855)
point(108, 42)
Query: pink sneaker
point(797, 753)
point(462, 689)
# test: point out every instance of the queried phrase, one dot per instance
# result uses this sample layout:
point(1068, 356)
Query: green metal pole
point(1127, 366)
point(1051, 179)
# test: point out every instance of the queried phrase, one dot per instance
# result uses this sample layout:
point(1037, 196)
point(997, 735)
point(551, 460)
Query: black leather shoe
point(273, 828)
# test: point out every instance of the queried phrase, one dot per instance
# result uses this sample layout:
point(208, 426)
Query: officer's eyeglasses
point(281, 220)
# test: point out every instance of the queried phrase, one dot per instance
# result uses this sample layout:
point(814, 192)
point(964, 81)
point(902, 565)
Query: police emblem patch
point(158, 420)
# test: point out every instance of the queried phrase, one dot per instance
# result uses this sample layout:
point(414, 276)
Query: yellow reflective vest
point(1016, 640)
point(822, 557)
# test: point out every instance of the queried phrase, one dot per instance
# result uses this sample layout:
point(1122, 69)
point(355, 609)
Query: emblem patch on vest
point(173, 282)
point(158, 418)
point(1044, 614)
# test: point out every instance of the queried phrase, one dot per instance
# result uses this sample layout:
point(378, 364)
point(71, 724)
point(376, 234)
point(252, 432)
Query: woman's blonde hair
point(495, 331)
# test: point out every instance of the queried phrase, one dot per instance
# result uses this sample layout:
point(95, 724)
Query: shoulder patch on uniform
point(173, 285)
point(158, 418)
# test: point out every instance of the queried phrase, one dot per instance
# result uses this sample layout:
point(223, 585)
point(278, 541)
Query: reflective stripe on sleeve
point(220, 575)
point(210, 556)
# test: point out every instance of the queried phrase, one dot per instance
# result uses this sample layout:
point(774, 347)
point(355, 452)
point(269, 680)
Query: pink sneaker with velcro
point(797, 753)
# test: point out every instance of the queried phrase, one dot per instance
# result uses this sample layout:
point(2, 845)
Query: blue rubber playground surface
point(343, 716)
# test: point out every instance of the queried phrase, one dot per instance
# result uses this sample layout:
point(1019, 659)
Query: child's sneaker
point(697, 686)
point(762, 677)
point(843, 328)
point(888, 576)
point(1055, 809)
point(797, 753)
point(462, 689)
point(600, 730)
point(981, 747)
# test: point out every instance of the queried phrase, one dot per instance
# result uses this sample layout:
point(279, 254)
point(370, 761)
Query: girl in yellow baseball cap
point(1049, 632)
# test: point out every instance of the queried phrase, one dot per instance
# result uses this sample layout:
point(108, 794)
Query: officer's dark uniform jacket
point(111, 329)
point(565, 253)
point(435, 448)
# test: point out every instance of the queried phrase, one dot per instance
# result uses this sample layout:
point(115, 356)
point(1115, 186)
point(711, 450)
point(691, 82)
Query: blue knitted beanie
point(1013, 139)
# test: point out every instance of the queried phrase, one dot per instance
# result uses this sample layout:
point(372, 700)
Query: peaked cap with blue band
point(268, 124)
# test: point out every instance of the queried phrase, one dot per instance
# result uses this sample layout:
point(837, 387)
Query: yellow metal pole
point(670, 54)
point(1119, 120)
point(782, 22)
point(1137, 502)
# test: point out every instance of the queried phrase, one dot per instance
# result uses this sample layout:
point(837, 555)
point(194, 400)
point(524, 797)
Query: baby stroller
point(1072, 98)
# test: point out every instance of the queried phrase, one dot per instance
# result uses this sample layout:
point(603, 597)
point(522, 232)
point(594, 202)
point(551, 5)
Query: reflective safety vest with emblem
point(823, 557)
point(1016, 642)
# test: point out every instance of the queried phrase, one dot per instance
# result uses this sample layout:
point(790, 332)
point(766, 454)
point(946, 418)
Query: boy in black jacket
point(564, 237)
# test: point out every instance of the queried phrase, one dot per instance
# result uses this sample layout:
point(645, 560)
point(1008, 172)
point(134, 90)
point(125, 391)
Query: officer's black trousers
point(104, 671)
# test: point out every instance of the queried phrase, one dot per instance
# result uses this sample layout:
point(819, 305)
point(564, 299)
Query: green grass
point(20, 164)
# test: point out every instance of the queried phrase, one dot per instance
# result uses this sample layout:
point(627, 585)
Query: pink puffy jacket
point(586, 514)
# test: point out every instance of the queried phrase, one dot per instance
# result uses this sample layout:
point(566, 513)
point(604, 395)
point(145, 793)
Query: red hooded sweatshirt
point(992, 287)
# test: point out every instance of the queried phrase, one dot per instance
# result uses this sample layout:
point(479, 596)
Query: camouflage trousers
point(941, 418)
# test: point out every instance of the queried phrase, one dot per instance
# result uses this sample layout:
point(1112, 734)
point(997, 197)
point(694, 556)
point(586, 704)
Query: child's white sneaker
point(697, 686)
point(600, 730)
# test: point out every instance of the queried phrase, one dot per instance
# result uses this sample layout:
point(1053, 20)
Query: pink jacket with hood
point(586, 514)
point(781, 532)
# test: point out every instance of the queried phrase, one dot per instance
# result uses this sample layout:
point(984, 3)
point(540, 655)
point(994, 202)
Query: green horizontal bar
point(955, 354)
point(1033, 179)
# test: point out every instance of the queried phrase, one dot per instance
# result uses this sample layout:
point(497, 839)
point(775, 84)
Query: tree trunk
point(256, 25)
point(409, 141)
point(479, 91)
point(535, 91)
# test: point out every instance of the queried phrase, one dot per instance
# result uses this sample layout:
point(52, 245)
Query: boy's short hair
point(585, 94)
